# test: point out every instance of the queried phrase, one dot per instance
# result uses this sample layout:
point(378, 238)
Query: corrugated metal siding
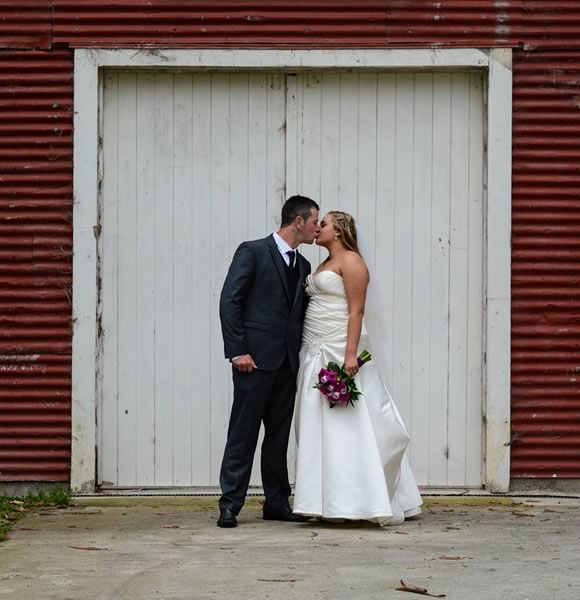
point(551, 24)
point(546, 265)
point(471, 23)
point(25, 23)
point(223, 23)
point(366, 23)
point(35, 264)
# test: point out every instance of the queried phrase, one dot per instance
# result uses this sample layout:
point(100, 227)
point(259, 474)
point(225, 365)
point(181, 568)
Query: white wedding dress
point(351, 460)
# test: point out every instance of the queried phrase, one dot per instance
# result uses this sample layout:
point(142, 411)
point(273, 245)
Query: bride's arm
point(356, 280)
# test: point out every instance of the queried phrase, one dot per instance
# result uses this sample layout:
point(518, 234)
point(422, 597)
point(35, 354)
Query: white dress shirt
point(283, 247)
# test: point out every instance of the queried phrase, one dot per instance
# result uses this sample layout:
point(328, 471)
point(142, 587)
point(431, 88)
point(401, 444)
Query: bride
point(351, 460)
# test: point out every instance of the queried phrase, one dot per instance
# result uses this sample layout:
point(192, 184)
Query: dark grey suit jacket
point(257, 314)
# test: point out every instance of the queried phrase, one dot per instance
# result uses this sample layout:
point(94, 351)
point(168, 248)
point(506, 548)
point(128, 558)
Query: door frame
point(87, 332)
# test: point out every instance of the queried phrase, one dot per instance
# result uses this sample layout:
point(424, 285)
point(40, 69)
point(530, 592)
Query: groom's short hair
point(297, 206)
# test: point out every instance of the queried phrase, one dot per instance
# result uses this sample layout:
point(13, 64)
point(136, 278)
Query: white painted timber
point(179, 195)
point(85, 294)
point(498, 252)
point(290, 59)
point(266, 186)
point(423, 134)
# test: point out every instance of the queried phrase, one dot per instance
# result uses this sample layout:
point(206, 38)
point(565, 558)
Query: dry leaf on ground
point(280, 580)
point(408, 587)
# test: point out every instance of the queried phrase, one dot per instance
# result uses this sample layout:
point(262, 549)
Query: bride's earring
point(335, 236)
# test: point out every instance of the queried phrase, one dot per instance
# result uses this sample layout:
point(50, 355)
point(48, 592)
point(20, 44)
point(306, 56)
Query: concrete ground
point(170, 548)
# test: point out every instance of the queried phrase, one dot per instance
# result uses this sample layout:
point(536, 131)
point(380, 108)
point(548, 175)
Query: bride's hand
point(351, 365)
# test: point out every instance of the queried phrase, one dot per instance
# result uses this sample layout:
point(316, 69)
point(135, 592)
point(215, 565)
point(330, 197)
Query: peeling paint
point(19, 357)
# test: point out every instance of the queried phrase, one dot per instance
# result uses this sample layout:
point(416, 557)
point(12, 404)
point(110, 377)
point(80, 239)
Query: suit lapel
point(278, 264)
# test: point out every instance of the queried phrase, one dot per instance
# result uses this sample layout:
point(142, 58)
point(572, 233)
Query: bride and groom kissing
point(281, 325)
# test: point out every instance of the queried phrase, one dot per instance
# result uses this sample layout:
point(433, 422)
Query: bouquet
point(336, 386)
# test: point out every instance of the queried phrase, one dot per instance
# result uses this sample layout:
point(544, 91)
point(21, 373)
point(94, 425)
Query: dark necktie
point(292, 273)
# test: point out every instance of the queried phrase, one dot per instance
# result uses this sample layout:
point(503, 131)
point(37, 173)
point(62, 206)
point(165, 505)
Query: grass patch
point(12, 509)
point(57, 496)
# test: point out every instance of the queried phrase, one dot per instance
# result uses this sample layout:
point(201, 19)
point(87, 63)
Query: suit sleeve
point(234, 292)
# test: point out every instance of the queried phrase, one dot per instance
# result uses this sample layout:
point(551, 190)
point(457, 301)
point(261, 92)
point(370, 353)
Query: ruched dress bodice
point(326, 319)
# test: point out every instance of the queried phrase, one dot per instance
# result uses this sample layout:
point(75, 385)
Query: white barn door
point(195, 163)
point(192, 165)
point(404, 154)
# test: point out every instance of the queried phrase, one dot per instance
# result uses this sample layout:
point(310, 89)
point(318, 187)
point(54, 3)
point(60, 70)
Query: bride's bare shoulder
point(353, 263)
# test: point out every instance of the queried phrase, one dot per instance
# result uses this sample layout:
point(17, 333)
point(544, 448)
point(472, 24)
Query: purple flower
point(336, 386)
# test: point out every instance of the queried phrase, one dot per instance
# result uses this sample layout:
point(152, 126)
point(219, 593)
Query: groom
point(262, 309)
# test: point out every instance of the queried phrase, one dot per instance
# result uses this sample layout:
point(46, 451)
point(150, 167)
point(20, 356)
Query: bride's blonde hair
point(347, 228)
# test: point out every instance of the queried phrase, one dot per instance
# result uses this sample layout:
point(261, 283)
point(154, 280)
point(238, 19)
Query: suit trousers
point(259, 396)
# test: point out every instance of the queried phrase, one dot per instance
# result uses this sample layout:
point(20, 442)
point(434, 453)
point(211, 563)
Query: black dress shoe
point(227, 518)
point(283, 514)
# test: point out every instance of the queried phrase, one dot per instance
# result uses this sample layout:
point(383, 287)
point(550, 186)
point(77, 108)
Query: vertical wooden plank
point(183, 284)
point(473, 458)
point(457, 433)
point(367, 167)
point(145, 279)
point(260, 222)
point(421, 252)
point(293, 133)
point(348, 143)
point(239, 160)
point(329, 148)
point(126, 300)
point(439, 296)
point(383, 348)
point(108, 422)
point(276, 144)
point(311, 149)
point(404, 174)
point(201, 276)
point(310, 139)
point(164, 277)
point(220, 258)
point(498, 269)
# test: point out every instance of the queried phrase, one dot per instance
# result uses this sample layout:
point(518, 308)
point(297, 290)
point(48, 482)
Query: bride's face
point(327, 231)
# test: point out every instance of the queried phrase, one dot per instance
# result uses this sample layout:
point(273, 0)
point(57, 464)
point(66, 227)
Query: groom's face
point(310, 228)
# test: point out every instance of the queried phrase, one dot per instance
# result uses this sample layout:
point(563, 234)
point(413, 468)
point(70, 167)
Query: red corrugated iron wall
point(36, 182)
point(35, 264)
point(25, 24)
point(546, 265)
point(298, 23)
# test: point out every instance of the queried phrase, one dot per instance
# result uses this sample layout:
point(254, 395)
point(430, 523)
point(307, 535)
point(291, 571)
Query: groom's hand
point(244, 364)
